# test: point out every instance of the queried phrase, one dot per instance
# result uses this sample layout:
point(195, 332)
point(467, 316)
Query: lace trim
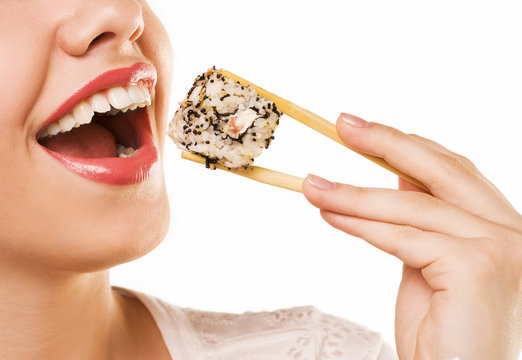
point(343, 336)
point(331, 337)
point(217, 327)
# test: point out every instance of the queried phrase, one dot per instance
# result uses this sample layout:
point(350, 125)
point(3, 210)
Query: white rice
point(223, 121)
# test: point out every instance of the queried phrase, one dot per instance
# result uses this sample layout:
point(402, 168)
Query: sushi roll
point(224, 121)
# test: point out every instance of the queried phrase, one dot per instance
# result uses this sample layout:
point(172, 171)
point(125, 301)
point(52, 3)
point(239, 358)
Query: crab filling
point(103, 126)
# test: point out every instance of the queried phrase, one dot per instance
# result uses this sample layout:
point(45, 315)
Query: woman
point(72, 208)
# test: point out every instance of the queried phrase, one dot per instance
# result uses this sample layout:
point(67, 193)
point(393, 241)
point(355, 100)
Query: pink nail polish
point(320, 183)
point(353, 120)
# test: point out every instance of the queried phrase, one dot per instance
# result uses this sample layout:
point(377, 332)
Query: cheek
point(155, 45)
point(25, 50)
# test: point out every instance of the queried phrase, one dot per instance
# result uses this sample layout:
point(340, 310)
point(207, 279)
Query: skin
point(59, 232)
point(461, 289)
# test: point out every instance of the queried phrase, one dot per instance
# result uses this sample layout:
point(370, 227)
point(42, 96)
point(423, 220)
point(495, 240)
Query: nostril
point(98, 40)
point(136, 35)
point(139, 30)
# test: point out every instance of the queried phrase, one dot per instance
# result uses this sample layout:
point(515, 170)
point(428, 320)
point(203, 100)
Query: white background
point(447, 70)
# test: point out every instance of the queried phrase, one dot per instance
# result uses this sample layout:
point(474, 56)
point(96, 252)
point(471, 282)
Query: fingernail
point(353, 120)
point(320, 183)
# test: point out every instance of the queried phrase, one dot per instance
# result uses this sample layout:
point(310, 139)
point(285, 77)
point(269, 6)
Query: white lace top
point(290, 334)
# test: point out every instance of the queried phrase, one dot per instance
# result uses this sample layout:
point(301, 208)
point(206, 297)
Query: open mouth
point(103, 132)
point(102, 126)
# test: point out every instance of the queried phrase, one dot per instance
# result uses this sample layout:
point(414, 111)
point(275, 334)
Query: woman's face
point(68, 201)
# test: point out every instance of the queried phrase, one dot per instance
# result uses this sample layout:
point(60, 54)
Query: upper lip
point(117, 77)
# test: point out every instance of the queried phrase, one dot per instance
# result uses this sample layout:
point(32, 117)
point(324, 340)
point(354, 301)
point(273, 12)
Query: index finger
point(449, 176)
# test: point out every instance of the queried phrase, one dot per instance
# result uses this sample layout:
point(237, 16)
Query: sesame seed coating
point(224, 121)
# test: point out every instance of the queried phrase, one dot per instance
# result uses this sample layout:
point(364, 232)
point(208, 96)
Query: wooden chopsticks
point(320, 125)
point(266, 176)
point(310, 120)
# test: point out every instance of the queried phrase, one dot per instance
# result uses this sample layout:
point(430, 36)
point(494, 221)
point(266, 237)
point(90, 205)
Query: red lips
point(114, 170)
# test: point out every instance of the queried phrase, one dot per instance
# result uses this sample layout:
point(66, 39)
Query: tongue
point(87, 141)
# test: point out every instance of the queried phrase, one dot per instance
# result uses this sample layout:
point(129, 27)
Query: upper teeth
point(110, 101)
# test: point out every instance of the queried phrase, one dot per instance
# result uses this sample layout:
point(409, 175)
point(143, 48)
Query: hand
point(461, 289)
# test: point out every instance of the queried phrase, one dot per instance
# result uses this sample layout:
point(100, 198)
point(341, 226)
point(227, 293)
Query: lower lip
point(117, 171)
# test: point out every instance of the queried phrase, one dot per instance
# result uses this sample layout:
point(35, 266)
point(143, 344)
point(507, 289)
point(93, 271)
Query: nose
point(90, 23)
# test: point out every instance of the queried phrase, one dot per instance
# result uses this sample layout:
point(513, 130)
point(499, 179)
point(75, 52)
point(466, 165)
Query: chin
point(96, 231)
point(120, 237)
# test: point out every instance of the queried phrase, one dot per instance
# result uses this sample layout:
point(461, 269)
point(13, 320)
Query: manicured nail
point(353, 120)
point(320, 183)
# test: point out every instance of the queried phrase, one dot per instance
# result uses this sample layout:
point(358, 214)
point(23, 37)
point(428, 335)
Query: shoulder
point(295, 333)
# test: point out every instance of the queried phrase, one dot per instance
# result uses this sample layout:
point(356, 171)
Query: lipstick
point(115, 170)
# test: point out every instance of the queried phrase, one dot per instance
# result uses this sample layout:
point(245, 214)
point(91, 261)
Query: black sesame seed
point(207, 142)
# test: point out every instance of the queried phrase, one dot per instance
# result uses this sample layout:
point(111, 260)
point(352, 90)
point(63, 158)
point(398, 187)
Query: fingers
point(449, 176)
point(405, 153)
point(407, 186)
point(414, 209)
point(414, 247)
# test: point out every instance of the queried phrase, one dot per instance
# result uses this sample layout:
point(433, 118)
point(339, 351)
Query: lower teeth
point(125, 152)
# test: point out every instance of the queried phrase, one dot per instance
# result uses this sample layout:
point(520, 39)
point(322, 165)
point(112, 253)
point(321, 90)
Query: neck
point(57, 316)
